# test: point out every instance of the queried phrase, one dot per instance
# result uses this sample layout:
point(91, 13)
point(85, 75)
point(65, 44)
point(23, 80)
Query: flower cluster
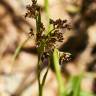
point(64, 58)
point(46, 42)
point(32, 9)
point(58, 24)
point(56, 34)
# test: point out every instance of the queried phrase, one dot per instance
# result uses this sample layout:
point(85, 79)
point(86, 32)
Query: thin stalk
point(46, 5)
point(38, 22)
point(19, 48)
point(41, 84)
point(38, 76)
point(17, 51)
point(40, 49)
point(58, 73)
point(45, 75)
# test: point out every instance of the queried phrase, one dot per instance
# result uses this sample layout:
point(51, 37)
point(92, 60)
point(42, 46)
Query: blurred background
point(18, 78)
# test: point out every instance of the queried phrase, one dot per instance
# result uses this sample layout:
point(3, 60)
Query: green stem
point(40, 49)
point(19, 48)
point(40, 90)
point(38, 76)
point(41, 84)
point(45, 75)
point(38, 22)
point(46, 3)
point(58, 72)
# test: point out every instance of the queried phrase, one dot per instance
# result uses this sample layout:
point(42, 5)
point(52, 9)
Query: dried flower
point(32, 9)
point(64, 57)
point(34, 1)
point(46, 43)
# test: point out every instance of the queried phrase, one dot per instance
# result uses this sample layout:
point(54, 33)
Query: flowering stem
point(39, 50)
point(38, 76)
point(38, 19)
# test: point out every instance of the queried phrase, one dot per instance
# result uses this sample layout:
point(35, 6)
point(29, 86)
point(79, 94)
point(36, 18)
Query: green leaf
point(76, 85)
point(17, 51)
point(83, 93)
